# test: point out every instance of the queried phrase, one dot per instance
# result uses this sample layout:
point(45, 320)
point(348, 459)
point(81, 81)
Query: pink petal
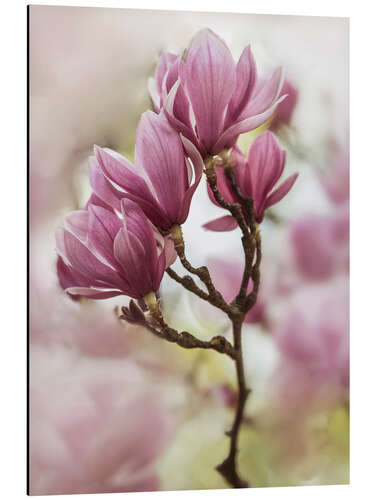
point(225, 223)
point(130, 254)
point(68, 277)
point(210, 79)
point(95, 200)
point(279, 193)
point(286, 108)
point(165, 62)
point(102, 187)
point(229, 136)
point(86, 263)
point(170, 252)
point(136, 223)
point(103, 227)
point(181, 105)
point(159, 151)
point(198, 166)
point(184, 128)
point(246, 75)
point(241, 171)
point(77, 223)
point(123, 173)
point(153, 212)
point(266, 163)
point(265, 95)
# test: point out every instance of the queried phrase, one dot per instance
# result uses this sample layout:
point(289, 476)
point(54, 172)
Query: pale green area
point(268, 456)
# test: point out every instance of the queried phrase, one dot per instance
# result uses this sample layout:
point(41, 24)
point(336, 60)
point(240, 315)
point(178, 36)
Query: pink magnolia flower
point(101, 432)
point(285, 109)
point(256, 176)
point(320, 257)
point(104, 256)
point(210, 99)
point(161, 182)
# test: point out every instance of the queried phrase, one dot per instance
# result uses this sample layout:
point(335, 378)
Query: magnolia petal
point(119, 170)
point(95, 200)
point(246, 75)
point(181, 105)
point(266, 93)
point(86, 263)
point(77, 223)
point(241, 171)
point(225, 223)
point(229, 136)
point(136, 222)
point(159, 151)
point(103, 227)
point(152, 210)
point(286, 108)
point(198, 166)
point(170, 252)
point(102, 187)
point(184, 128)
point(165, 62)
point(279, 193)
point(266, 161)
point(68, 277)
point(130, 255)
point(210, 79)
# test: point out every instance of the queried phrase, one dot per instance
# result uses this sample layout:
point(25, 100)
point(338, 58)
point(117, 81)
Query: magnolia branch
point(188, 283)
point(243, 212)
point(156, 324)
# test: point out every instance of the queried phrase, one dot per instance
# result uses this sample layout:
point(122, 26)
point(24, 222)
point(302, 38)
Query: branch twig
point(188, 283)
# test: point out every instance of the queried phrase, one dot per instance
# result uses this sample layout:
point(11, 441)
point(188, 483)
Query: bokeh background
point(111, 407)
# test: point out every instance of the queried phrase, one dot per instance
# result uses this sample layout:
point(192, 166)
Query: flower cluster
point(120, 243)
point(256, 176)
point(210, 99)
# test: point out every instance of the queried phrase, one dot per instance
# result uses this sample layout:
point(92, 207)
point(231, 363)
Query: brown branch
point(214, 297)
point(188, 283)
point(248, 243)
point(228, 468)
point(234, 208)
point(255, 273)
point(184, 339)
point(188, 341)
point(246, 202)
point(243, 212)
point(156, 324)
